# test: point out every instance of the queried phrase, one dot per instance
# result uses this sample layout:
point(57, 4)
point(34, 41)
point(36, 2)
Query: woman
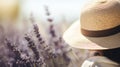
point(98, 31)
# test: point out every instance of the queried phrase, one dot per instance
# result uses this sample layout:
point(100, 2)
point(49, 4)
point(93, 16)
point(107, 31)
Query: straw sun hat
point(98, 27)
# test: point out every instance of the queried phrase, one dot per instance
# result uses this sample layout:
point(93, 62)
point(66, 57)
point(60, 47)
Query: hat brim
point(74, 38)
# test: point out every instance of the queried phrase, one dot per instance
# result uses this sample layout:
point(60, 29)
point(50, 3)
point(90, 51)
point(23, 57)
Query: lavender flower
point(53, 52)
point(32, 46)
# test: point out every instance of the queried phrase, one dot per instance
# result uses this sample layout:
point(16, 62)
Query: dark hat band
point(101, 33)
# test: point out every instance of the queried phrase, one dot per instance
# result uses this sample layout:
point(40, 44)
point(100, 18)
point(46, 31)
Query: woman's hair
point(112, 54)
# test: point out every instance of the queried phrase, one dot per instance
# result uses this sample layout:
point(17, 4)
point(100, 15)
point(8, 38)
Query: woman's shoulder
point(99, 61)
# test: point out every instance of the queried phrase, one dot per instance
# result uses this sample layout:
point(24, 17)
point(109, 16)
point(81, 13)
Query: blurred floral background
point(42, 44)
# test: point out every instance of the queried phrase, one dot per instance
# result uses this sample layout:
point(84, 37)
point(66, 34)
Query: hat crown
point(101, 15)
point(9, 9)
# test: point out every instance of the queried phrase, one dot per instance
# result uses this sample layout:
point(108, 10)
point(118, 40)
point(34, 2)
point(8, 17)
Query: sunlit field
point(41, 44)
